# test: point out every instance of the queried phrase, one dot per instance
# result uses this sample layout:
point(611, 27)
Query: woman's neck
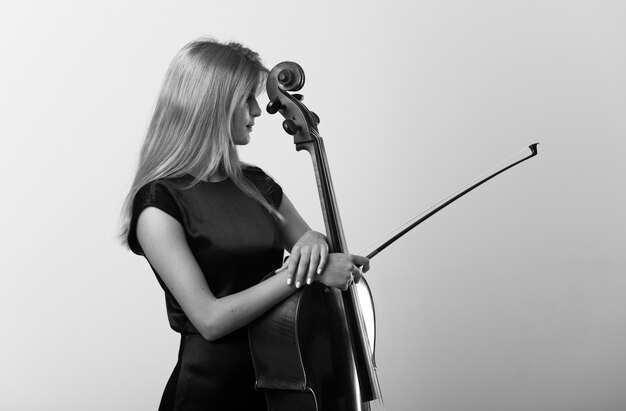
point(216, 178)
point(213, 178)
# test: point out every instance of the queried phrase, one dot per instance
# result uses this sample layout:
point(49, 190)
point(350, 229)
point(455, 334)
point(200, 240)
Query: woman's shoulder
point(171, 183)
point(252, 170)
point(266, 184)
point(257, 175)
point(163, 194)
point(170, 187)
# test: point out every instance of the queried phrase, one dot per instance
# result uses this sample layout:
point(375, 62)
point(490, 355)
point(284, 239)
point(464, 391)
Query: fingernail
point(309, 280)
point(289, 281)
point(297, 284)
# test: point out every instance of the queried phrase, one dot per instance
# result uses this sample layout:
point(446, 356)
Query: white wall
point(511, 299)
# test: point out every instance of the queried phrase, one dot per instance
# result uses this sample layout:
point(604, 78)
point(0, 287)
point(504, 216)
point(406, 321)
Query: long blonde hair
point(190, 131)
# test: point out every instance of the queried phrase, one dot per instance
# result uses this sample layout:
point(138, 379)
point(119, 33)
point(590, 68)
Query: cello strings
point(395, 231)
point(362, 329)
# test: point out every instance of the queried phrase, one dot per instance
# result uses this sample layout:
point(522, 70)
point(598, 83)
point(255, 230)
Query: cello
point(315, 350)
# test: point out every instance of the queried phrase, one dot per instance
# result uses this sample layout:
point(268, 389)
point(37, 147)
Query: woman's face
point(243, 120)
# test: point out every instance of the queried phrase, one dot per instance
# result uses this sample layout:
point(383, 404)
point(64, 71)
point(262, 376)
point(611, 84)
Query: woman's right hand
point(342, 270)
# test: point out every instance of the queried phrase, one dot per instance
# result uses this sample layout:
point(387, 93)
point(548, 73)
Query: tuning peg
point(298, 96)
point(284, 77)
point(315, 117)
point(290, 127)
point(273, 106)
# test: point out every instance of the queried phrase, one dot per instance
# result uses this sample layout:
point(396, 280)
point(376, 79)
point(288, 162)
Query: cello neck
point(328, 200)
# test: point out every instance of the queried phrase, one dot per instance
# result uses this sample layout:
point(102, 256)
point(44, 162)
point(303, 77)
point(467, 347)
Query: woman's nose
point(255, 110)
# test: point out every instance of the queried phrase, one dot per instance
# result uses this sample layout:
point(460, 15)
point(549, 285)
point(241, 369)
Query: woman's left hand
point(308, 257)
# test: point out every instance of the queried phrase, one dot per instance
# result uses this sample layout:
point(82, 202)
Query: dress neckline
point(226, 179)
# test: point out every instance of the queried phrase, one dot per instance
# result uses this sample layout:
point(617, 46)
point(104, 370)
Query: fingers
point(313, 266)
point(323, 259)
point(306, 261)
point(303, 267)
point(362, 262)
point(351, 280)
point(348, 283)
point(357, 273)
point(292, 265)
point(361, 265)
point(303, 263)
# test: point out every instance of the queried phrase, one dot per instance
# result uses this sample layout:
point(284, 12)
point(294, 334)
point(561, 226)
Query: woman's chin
point(241, 140)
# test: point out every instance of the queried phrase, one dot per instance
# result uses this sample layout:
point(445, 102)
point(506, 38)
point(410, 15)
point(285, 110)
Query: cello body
point(314, 350)
point(301, 353)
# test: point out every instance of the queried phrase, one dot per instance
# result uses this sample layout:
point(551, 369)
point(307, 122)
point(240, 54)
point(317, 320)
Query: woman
point(212, 228)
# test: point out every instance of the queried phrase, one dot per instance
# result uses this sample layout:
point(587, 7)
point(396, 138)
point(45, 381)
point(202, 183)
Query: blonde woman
point(212, 228)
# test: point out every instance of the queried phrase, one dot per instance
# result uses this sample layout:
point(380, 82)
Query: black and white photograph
point(320, 206)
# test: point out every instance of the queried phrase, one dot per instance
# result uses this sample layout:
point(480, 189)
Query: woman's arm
point(163, 241)
point(308, 249)
point(294, 225)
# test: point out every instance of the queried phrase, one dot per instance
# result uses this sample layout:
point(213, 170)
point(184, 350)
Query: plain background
point(511, 299)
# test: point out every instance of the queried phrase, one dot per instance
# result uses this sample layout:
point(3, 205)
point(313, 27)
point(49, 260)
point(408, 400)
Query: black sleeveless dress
point(236, 243)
